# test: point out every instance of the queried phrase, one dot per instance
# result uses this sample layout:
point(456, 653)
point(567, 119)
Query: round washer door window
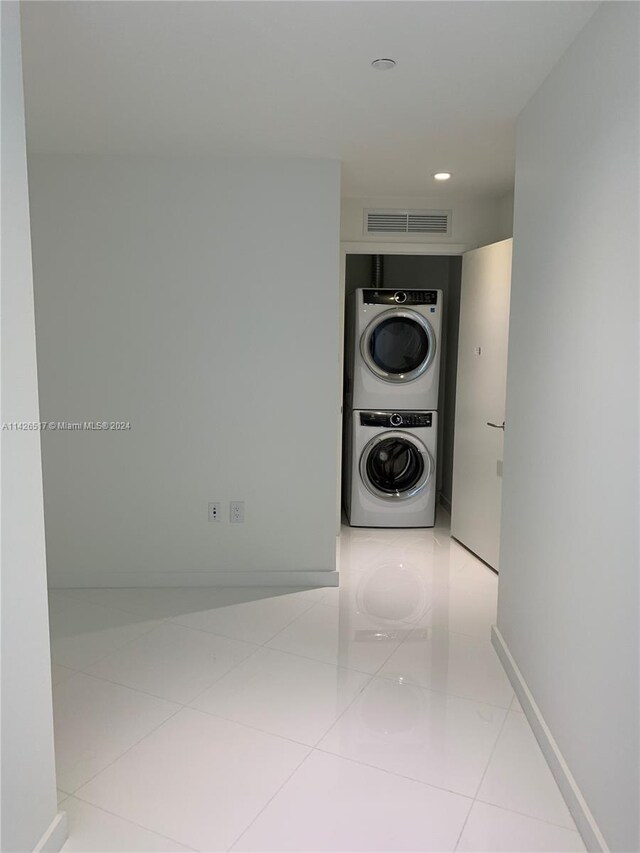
point(395, 465)
point(398, 346)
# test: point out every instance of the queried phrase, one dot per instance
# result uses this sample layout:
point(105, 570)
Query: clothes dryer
point(393, 349)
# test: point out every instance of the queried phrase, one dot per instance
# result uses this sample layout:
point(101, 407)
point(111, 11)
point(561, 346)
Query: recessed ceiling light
point(442, 176)
point(383, 64)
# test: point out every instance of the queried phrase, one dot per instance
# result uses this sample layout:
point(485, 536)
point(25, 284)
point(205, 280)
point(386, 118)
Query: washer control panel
point(395, 420)
point(400, 297)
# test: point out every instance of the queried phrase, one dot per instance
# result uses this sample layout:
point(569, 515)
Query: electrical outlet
point(214, 511)
point(236, 512)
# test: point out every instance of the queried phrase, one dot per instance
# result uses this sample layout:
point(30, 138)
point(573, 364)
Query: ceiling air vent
point(407, 222)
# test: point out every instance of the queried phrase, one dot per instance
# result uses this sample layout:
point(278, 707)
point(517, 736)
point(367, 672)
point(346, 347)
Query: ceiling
point(294, 79)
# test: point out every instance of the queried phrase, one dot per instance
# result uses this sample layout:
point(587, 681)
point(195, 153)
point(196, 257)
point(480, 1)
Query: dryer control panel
point(393, 420)
point(400, 297)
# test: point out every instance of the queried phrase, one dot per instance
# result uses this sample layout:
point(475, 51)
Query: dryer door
point(396, 466)
point(398, 345)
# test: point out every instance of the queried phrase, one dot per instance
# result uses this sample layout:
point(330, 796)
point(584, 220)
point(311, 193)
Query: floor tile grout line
point(163, 622)
point(192, 707)
point(173, 620)
point(328, 663)
point(126, 751)
point(443, 692)
point(295, 619)
point(132, 822)
point(484, 773)
point(71, 669)
point(360, 764)
point(112, 651)
point(343, 712)
point(157, 695)
point(408, 680)
point(265, 644)
point(391, 653)
point(311, 749)
point(307, 746)
point(519, 814)
point(132, 689)
point(63, 666)
point(492, 753)
point(257, 647)
point(268, 648)
point(338, 666)
point(270, 800)
point(464, 825)
point(393, 773)
point(370, 677)
point(526, 814)
point(255, 650)
point(217, 716)
point(394, 624)
point(413, 624)
point(220, 677)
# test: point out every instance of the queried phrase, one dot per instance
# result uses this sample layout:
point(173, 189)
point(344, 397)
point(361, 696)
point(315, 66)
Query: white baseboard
point(585, 821)
point(54, 838)
point(150, 579)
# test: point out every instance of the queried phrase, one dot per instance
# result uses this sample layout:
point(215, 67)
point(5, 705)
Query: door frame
point(373, 247)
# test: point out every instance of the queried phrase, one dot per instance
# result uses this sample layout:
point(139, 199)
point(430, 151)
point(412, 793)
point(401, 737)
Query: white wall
point(28, 773)
point(474, 222)
point(197, 299)
point(568, 603)
point(505, 217)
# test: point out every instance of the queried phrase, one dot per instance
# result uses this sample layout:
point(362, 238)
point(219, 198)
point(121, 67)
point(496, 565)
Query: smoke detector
point(383, 64)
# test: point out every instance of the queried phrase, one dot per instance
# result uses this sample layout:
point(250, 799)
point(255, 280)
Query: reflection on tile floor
point(371, 717)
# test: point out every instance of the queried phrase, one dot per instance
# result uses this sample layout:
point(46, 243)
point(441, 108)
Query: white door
point(480, 399)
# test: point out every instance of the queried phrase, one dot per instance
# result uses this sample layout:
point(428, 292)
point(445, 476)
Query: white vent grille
point(407, 222)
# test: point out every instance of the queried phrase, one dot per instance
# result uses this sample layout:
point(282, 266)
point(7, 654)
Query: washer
point(393, 349)
point(390, 468)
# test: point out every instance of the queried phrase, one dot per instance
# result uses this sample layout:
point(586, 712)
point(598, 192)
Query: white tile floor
point(373, 717)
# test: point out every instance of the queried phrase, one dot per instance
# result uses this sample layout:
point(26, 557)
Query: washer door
point(396, 466)
point(399, 345)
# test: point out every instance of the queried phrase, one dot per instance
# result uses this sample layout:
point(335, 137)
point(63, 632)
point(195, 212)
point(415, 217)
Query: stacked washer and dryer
point(391, 395)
